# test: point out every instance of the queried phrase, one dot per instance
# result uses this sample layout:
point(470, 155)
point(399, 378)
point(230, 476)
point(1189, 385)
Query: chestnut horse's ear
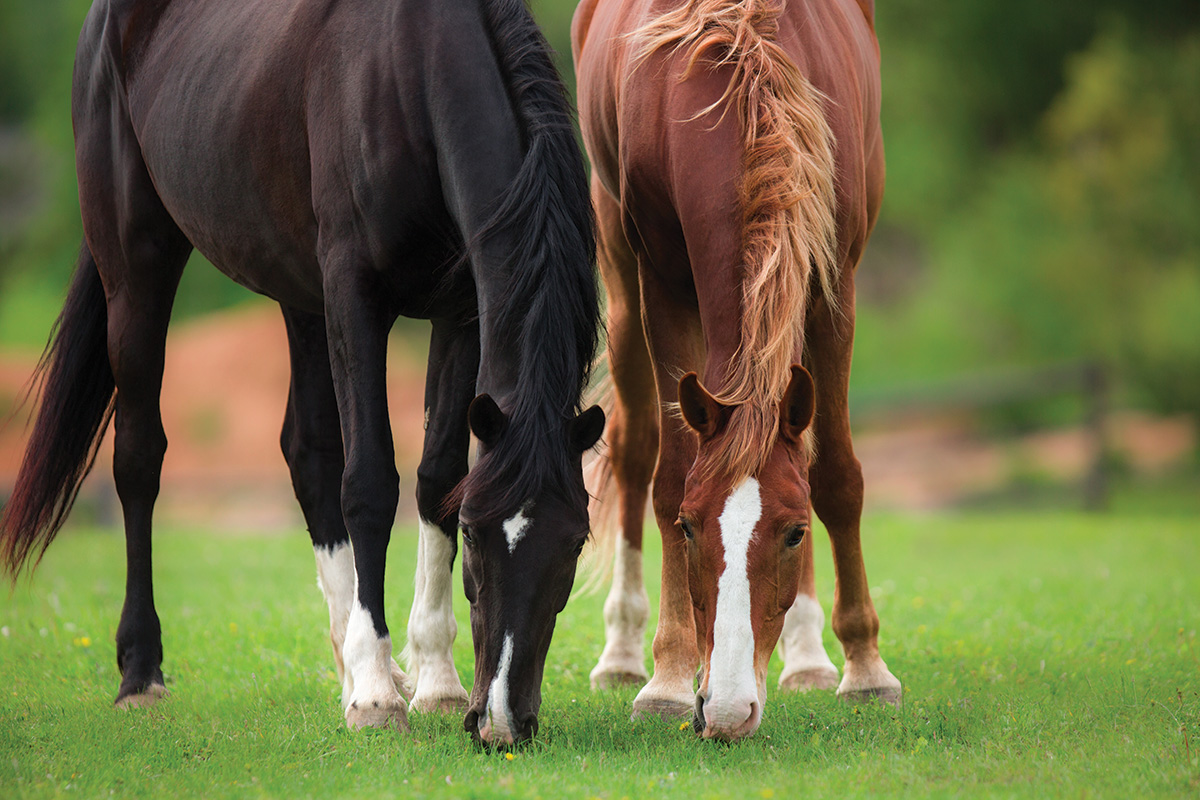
point(585, 429)
point(701, 410)
point(799, 403)
point(486, 419)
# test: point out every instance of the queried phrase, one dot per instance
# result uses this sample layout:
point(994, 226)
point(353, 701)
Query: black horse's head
point(524, 522)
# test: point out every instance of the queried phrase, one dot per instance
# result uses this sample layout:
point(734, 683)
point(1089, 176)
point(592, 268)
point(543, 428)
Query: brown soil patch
point(225, 388)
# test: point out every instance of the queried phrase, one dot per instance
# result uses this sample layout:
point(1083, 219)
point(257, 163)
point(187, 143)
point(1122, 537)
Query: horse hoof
point(612, 679)
point(884, 695)
point(404, 684)
point(806, 680)
point(872, 682)
point(392, 715)
point(664, 707)
point(143, 699)
point(441, 704)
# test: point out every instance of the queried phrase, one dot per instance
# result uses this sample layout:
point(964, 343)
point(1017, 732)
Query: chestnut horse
point(354, 160)
point(737, 173)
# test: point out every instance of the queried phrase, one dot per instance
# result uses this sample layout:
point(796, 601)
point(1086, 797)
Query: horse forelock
point(788, 206)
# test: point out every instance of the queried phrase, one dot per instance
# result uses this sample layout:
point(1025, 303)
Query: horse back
point(637, 109)
point(275, 129)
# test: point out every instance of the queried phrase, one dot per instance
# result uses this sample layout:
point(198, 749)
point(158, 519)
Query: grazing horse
point(354, 160)
point(737, 173)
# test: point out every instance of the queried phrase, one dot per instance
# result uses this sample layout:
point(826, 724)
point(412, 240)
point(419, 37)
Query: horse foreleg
point(357, 323)
point(312, 445)
point(806, 665)
point(674, 335)
point(432, 629)
point(837, 493)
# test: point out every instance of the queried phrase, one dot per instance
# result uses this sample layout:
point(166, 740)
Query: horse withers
point(737, 173)
point(355, 161)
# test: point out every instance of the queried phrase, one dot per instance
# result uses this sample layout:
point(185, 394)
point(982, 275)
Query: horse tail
point(788, 202)
point(602, 493)
point(76, 406)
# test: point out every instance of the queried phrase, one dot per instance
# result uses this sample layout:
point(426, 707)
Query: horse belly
point(221, 124)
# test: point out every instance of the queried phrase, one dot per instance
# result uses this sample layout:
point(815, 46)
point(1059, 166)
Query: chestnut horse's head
point(743, 536)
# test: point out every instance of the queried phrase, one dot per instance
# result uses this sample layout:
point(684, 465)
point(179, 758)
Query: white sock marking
point(368, 658)
point(800, 645)
point(499, 715)
point(731, 677)
point(431, 625)
point(335, 577)
point(515, 527)
point(625, 612)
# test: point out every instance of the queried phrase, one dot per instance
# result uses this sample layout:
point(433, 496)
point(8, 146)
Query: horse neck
point(788, 227)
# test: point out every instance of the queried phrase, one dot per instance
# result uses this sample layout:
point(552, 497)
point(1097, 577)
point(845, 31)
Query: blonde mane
point(787, 197)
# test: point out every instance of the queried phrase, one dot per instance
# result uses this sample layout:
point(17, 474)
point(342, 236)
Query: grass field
point(1042, 655)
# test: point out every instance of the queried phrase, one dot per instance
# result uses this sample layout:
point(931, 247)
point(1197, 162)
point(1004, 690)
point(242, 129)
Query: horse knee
point(434, 495)
point(633, 448)
point(837, 490)
point(370, 494)
point(855, 624)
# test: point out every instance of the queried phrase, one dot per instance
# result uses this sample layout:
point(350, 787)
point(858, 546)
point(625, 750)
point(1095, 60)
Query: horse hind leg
point(312, 446)
point(632, 452)
point(140, 254)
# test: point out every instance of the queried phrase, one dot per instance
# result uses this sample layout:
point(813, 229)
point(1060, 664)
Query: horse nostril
point(750, 725)
point(471, 722)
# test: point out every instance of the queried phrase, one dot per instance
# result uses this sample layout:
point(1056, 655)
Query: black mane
point(551, 295)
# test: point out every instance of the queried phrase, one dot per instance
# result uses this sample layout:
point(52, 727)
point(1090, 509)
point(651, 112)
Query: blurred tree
point(1043, 185)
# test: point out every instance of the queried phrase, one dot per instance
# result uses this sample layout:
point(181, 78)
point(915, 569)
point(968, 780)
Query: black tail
point(76, 406)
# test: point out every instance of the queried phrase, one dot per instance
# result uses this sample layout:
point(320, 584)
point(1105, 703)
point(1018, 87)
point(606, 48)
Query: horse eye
point(796, 535)
point(466, 534)
point(687, 529)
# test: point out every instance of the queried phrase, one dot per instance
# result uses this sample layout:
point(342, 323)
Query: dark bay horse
point(737, 173)
point(355, 160)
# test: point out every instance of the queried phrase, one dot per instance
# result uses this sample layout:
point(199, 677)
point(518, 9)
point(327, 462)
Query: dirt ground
point(225, 387)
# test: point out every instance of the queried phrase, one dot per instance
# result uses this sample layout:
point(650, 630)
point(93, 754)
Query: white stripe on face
point(498, 721)
point(515, 527)
point(731, 681)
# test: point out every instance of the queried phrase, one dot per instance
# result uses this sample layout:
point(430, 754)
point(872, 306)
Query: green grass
point(1047, 654)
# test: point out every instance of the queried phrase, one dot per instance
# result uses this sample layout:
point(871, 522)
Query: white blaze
point(731, 680)
point(499, 715)
point(515, 527)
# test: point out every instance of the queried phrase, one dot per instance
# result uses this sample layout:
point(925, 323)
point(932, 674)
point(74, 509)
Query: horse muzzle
point(495, 728)
point(728, 718)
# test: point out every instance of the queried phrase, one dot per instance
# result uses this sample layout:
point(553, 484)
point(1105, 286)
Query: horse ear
point(799, 403)
point(486, 419)
point(584, 431)
point(700, 409)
